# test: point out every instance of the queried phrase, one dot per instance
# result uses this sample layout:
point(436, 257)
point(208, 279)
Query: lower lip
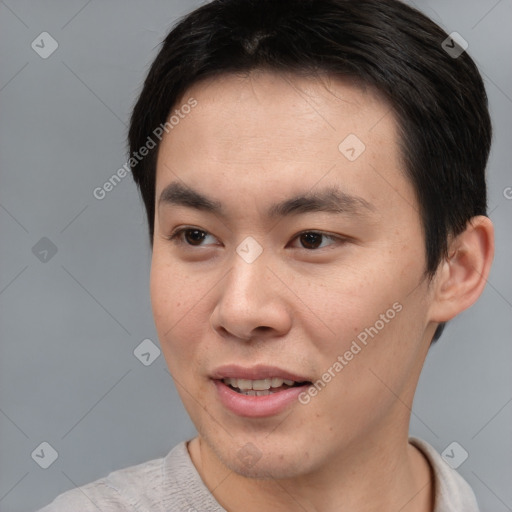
point(257, 406)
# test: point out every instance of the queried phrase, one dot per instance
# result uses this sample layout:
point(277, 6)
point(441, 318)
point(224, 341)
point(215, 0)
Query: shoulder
point(452, 492)
point(122, 490)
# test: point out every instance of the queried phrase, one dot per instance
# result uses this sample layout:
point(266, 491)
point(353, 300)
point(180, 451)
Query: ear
point(461, 277)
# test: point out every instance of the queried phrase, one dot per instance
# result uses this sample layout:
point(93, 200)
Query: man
point(316, 202)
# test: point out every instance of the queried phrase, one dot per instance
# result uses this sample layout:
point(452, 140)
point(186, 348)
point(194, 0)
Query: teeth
point(260, 385)
point(244, 384)
point(277, 382)
point(257, 385)
point(252, 392)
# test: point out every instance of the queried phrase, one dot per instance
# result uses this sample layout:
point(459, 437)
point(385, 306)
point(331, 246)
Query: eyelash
point(176, 237)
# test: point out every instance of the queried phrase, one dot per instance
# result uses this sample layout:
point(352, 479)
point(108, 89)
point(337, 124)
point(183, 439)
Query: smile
point(260, 387)
point(257, 392)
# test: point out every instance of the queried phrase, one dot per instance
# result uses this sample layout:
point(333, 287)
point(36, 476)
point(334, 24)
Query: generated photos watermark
point(356, 347)
point(137, 156)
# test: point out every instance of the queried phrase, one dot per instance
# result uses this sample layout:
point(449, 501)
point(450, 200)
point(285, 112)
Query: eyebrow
point(330, 200)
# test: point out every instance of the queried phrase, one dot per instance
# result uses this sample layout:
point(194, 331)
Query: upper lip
point(257, 372)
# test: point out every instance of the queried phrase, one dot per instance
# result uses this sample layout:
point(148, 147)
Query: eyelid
point(325, 234)
point(176, 234)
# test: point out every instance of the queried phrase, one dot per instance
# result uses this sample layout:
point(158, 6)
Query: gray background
point(69, 325)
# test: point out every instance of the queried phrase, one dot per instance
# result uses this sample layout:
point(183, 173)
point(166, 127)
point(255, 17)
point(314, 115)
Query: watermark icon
point(348, 355)
point(137, 156)
point(249, 249)
point(249, 454)
point(44, 45)
point(454, 45)
point(44, 250)
point(146, 352)
point(454, 455)
point(507, 192)
point(45, 455)
point(351, 147)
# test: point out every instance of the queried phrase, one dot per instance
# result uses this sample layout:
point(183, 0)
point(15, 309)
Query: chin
point(268, 467)
point(261, 459)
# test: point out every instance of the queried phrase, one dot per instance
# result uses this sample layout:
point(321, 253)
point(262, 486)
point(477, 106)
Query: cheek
point(165, 293)
point(349, 298)
point(175, 297)
point(175, 290)
point(369, 302)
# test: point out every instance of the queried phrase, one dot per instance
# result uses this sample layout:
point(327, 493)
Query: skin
point(259, 139)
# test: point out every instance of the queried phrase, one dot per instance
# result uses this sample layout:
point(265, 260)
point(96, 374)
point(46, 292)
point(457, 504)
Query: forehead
point(269, 131)
point(262, 105)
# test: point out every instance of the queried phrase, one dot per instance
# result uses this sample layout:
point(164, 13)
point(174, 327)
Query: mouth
point(262, 387)
point(258, 391)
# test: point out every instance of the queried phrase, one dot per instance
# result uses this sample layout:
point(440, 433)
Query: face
point(288, 246)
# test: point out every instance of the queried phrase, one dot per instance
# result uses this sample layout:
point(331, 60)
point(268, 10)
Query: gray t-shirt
point(172, 484)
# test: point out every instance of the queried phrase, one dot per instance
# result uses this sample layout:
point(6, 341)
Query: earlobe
point(462, 276)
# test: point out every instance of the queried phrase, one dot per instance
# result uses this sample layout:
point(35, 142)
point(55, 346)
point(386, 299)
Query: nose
point(252, 303)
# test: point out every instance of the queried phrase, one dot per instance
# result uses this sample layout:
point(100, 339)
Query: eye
point(311, 240)
point(190, 236)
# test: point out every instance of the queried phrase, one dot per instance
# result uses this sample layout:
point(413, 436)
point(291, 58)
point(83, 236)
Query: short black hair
point(438, 98)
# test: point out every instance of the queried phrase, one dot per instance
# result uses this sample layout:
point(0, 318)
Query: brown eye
point(194, 236)
point(190, 236)
point(312, 240)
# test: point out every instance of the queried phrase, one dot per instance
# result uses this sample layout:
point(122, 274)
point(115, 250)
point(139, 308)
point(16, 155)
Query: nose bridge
point(246, 281)
point(249, 300)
